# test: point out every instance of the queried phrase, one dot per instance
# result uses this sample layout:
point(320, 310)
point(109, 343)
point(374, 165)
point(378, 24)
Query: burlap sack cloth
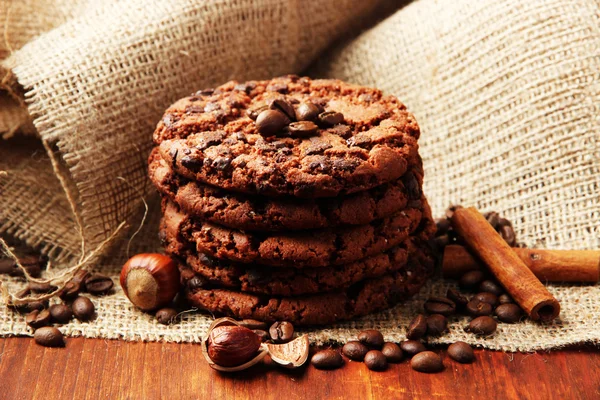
point(506, 93)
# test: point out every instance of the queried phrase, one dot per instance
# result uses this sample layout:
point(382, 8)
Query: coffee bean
point(49, 336)
point(6, 266)
point(443, 225)
point(371, 338)
point(196, 283)
point(461, 352)
point(282, 331)
point(392, 352)
point(440, 305)
point(36, 319)
point(252, 113)
point(479, 308)
point(32, 263)
point(417, 328)
point(61, 313)
point(504, 222)
point(32, 306)
point(450, 210)
point(493, 218)
point(327, 359)
point(375, 360)
point(482, 326)
point(45, 288)
point(98, 284)
point(83, 308)
point(505, 299)
point(436, 324)
point(427, 361)
point(166, 316)
point(307, 112)
point(412, 347)
point(487, 297)
point(458, 298)
point(355, 350)
point(302, 129)
point(471, 279)
point(508, 234)
point(509, 313)
point(74, 286)
point(285, 107)
point(330, 118)
point(412, 186)
point(253, 324)
point(271, 122)
point(491, 287)
point(263, 335)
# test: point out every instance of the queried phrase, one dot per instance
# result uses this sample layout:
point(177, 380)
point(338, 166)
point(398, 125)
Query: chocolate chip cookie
point(257, 213)
point(317, 248)
point(359, 299)
point(289, 136)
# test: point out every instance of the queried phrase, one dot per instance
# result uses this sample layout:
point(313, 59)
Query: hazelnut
point(150, 281)
point(232, 345)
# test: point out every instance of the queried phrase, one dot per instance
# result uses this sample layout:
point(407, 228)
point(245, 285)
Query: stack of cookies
point(293, 199)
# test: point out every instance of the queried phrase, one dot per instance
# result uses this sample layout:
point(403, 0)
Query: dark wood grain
point(111, 369)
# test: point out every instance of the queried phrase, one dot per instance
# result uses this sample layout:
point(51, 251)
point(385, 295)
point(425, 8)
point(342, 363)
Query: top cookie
point(289, 136)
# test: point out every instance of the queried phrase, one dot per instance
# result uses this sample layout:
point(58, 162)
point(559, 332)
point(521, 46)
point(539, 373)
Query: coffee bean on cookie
point(271, 122)
point(302, 129)
point(285, 107)
point(331, 118)
point(307, 112)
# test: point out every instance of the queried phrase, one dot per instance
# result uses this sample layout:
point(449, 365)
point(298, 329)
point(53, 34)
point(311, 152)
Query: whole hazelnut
point(232, 345)
point(150, 281)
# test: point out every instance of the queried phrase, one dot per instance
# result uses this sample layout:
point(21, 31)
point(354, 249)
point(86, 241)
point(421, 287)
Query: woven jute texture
point(506, 93)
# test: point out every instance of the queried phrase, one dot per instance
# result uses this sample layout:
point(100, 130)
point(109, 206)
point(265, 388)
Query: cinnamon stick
point(547, 265)
point(505, 265)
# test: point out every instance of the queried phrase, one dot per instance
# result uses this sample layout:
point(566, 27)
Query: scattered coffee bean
point(166, 316)
point(440, 305)
point(392, 352)
point(74, 286)
point(327, 359)
point(508, 234)
point(98, 284)
point(458, 298)
point(49, 336)
point(355, 350)
point(271, 122)
point(482, 326)
point(487, 297)
point(412, 347)
point(443, 226)
point(45, 288)
point(253, 324)
point(427, 361)
point(479, 308)
point(417, 328)
point(307, 112)
point(375, 360)
point(493, 218)
point(471, 279)
point(281, 331)
point(302, 129)
point(491, 287)
point(371, 338)
point(263, 335)
point(37, 319)
point(252, 113)
point(461, 352)
point(331, 118)
point(509, 313)
point(83, 308)
point(436, 324)
point(31, 306)
point(285, 107)
point(505, 299)
point(30, 263)
point(61, 313)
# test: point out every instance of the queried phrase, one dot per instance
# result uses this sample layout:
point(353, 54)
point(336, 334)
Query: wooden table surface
point(111, 369)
